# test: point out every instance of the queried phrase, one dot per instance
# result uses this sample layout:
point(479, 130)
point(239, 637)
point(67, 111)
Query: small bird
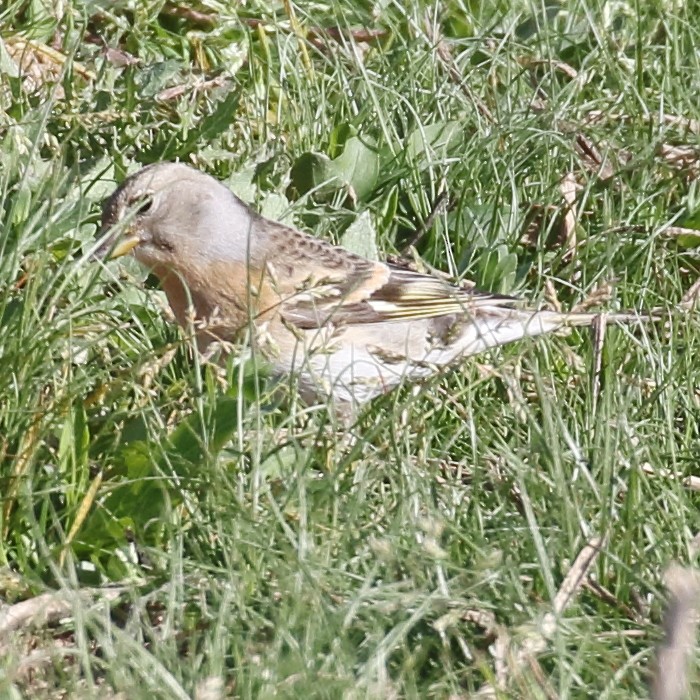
point(349, 328)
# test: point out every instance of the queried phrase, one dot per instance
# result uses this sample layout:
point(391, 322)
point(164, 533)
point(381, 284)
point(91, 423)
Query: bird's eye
point(145, 206)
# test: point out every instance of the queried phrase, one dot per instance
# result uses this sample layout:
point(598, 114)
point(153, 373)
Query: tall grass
point(259, 550)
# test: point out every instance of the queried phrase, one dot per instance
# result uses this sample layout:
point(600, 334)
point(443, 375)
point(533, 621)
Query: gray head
point(169, 212)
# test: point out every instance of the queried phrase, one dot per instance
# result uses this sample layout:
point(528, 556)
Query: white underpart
point(348, 363)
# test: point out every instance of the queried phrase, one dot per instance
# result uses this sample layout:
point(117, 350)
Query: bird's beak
point(124, 245)
point(112, 248)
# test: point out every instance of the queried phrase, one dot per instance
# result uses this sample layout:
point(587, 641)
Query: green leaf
point(145, 492)
point(425, 143)
point(690, 240)
point(279, 463)
point(210, 127)
point(156, 76)
point(241, 183)
point(389, 208)
point(201, 436)
point(275, 206)
point(311, 171)
point(361, 238)
point(21, 204)
point(138, 461)
point(213, 124)
point(74, 441)
point(692, 221)
point(356, 169)
point(339, 137)
point(497, 269)
point(8, 66)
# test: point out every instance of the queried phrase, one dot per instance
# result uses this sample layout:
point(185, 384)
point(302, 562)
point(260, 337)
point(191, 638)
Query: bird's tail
point(574, 318)
point(492, 326)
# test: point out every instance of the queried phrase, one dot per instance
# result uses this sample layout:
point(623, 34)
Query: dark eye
point(145, 206)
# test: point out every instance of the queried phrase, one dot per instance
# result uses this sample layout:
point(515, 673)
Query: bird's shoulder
point(293, 248)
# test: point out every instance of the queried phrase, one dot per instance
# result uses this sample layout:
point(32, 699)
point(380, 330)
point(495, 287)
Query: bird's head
point(169, 214)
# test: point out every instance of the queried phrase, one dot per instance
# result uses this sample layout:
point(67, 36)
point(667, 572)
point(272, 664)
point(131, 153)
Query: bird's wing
point(382, 293)
point(306, 277)
point(314, 283)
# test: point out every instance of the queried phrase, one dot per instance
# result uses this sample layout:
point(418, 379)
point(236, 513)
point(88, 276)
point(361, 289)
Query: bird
point(346, 327)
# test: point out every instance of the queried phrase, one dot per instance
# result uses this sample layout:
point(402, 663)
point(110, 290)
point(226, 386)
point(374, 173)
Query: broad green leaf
point(361, 238)
point(275, 206)
point(311, 171)
point(213, 124)
point(690, 240)
point(241, 183)
point(339, 137)
point(199, 437)
point(210, 127)
point(279, 463)
point(356, 168)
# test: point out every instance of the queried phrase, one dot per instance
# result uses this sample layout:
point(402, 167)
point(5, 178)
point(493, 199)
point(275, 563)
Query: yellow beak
point(124, 245)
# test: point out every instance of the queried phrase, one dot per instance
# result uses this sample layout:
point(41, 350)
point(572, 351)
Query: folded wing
point(405, 295)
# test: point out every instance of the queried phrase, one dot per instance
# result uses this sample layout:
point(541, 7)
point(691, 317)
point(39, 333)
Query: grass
point(257, 550)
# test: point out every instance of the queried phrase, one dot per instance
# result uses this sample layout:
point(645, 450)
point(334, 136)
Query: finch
point(349, 328)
